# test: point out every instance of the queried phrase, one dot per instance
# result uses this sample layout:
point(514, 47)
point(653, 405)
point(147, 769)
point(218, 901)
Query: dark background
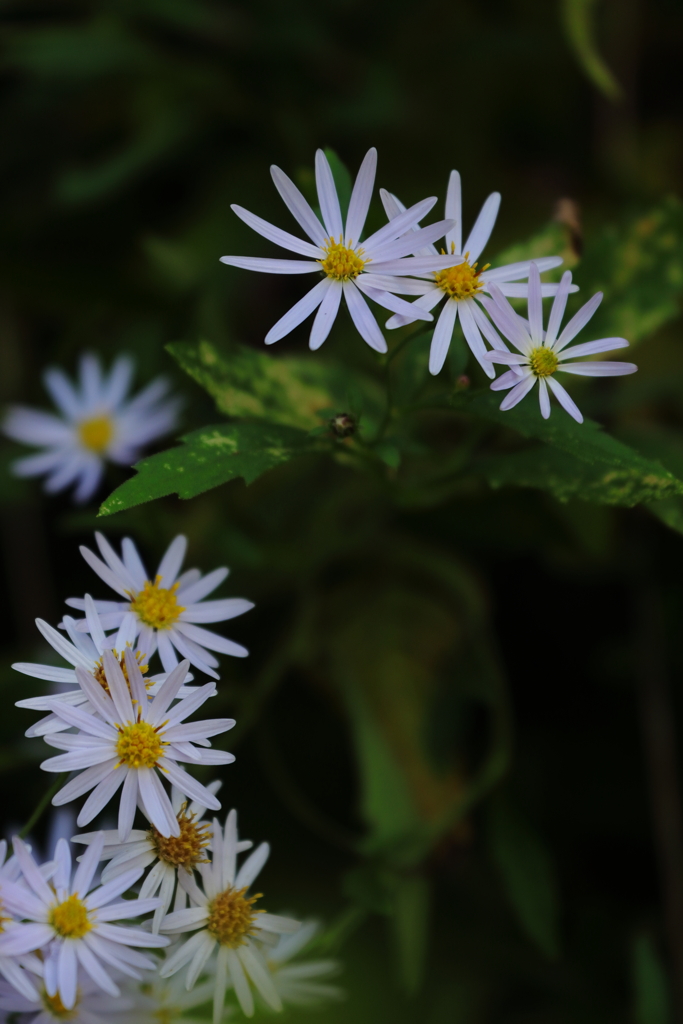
point(127, 130)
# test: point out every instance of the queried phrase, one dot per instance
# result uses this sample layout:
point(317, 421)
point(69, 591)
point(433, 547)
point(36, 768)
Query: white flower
point(168, 855)
point(541, 353)
point(167, 1001)
point(463, 285)
point(85, 651)
point(70, 924)
point(299, 984)
point(131, 737)
point(98, 424)
point(350, 268)
point(92, 1006)
point(165, 611)
point(224, 916)
point(14, 966)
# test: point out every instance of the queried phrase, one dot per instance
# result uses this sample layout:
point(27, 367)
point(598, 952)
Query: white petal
point(441, 340)
point(518, 392)
point(264, 266)
point(589, 348)
point(483, 226)
point(473, 336)
point(578, 321)
point(170, 564)
point(298, 206)
point(364, 321)
point(516, 271)
point(453, 212)
point(535, 306)
point(327, 196)
point(252, 866)
point(198, 587)
point(565, 400)
point(399, 225)
point(326, 315)
point(277, 235)
point(595, 369)
point(298, 312)
point(360, 197)
point(543, 399)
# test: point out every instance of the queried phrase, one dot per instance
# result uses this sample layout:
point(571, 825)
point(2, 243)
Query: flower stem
point(42, 804)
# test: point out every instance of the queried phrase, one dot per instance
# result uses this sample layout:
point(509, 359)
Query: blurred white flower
point(86, 652)
point(167, 1001)
point(169, 856)
point(163, 612)
point(463, 285)
point(224, 916)
point(132, 736)
point(15, 967)
point(351, 268)
point(97, 424)
point(71, 924)
point(304, 983)
point(540, 354)
point(92, 1006)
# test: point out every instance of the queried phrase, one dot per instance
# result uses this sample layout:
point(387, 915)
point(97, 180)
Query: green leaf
point(247, 383)
point(639, 266)
point(588, 463)
point(207, 458)
point(649, 982)
point(578, 17)
point(528, 876)
point(342, 180)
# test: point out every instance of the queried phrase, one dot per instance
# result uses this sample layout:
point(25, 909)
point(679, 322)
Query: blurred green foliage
point(437, 727)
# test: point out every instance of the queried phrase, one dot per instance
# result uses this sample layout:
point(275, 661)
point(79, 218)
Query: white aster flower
point(168, 855)
point(98, 424)
point(300, 984)
point(373, 268)
point(163, 612)
point(132, 736)
point(540, 354)
point(224, 916)
point(86, 652)
point(463, 285)
point(92, 1006)
point(167, 1001)
point(15, 967)
point(70, 924)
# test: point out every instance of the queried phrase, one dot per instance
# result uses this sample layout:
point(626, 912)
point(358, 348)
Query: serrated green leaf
point(528, 876)
point(247, 383)
point(639, 266)
point(207, 458)
point(612, 473)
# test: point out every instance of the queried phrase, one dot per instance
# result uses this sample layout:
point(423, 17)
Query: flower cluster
point(401, 259)
point(69, 942)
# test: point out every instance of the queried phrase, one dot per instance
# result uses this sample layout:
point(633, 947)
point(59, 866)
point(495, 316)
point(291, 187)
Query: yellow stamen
point(342, 262)
point(461, 282)
point(139, 745)
point(155, 605)
point(102, 679)
point(56, 1008)
point(187, 849)
point(70, 918)
point(231, 917)
point(543, 362)
point(96, 433)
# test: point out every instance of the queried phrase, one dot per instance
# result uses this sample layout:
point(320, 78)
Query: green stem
point(42, 804)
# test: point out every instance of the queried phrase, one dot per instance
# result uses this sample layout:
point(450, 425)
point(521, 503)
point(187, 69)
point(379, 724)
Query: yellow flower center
point(155, 605)
point(3, 918)
point(461, 282)
point(231, 917)
point(139, 745)
point(96, 433)
point(70, 918)
point(543, 362)
point(187, 849)
point(342, 263)
point(56, 1008)
point(102, 679)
